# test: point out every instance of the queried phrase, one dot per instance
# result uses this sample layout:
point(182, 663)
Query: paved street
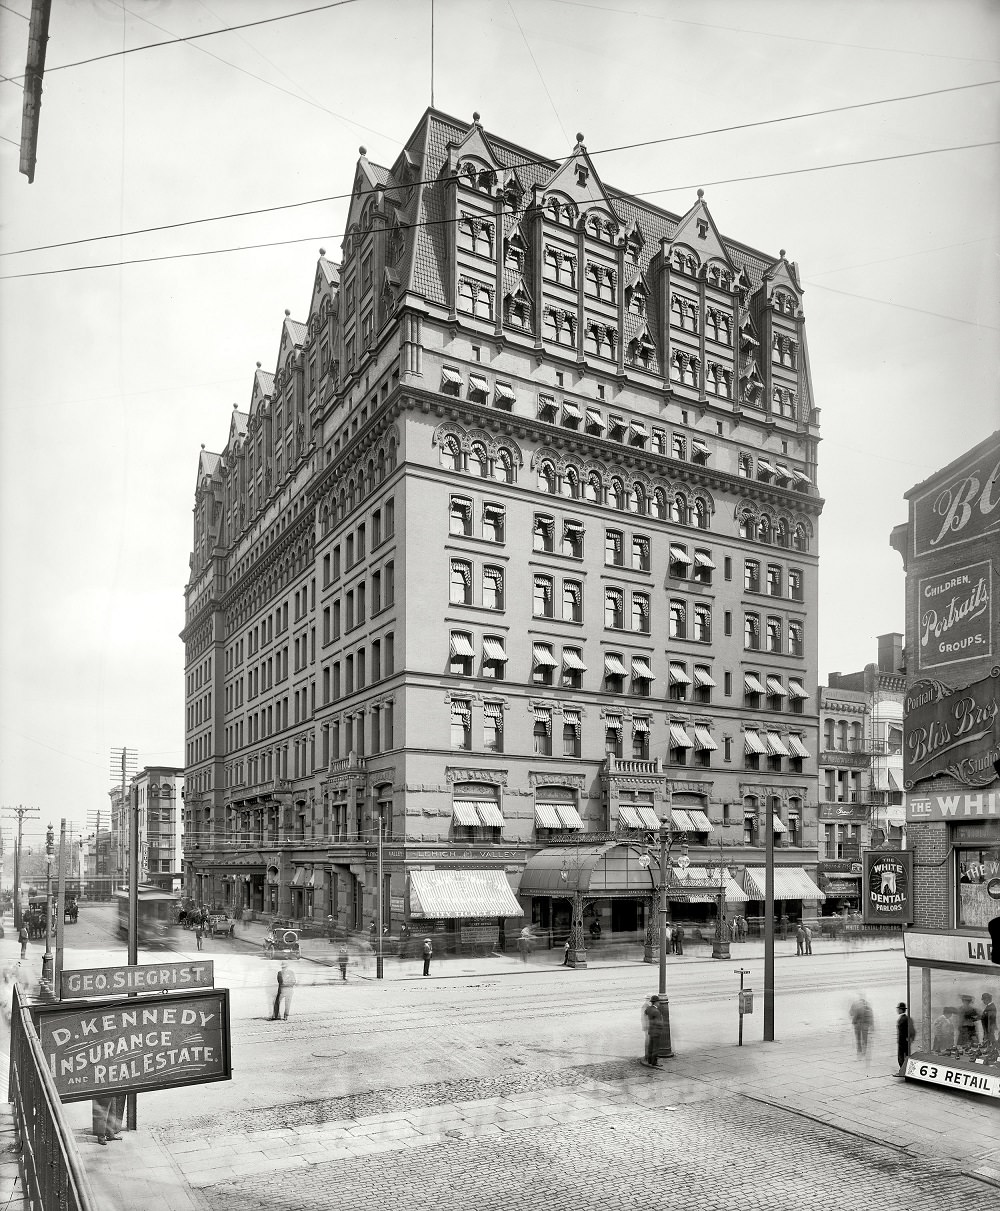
point(506, 1082)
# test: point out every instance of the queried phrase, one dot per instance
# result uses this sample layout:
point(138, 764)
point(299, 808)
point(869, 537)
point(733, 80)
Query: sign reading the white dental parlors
point(962, 508)
point(952, 731)
point(955, 613)
point(887, 892)
point(136, 1045)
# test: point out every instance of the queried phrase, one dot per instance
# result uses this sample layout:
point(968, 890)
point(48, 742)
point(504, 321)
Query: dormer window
point(582, 173)
point(702, 229)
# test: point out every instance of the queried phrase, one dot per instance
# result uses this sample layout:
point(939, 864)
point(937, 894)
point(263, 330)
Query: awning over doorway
point(790, 883)
point(462, 893)
point(609, 869)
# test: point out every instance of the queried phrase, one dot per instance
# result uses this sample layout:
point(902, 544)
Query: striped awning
point(299, 878)
point(640, 723)
point(775, 745)
point(699, 821)
point(461, 645)
point(569, 816)
point(571, 660)
point(895, 779)
point(699, 448)
point(775, 688)
point(504, 391)
point(614, 666)
point(677, 674)
point(679, 737)
point(751, 684)
point(450, 377)
point(797, 747)
point(639, 430)
point(629, 816)
point(470, 813)
point(782, 472)
point(753, 743)
point(493, 650)
point(546, 816)
point(543, 655)
point(765, 466)
point(703, 678)
point(790, 883)
point(680, 821)
point(641, 669)
point(571, 410)
point(703, 740)
point(648, 817)
point(465, 814)
point(799, 477)
point(477, 382)
point(702, 559)
point(679, 555)
point(612, 723)
point(462, 893)
point(777, 826)
point(795, 689)
point(594, 418)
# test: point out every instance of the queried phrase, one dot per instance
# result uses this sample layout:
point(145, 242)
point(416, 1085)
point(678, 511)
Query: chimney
point(890, 653)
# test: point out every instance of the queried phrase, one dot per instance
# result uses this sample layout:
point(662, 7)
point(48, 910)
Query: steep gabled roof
point(690, 228)
point(577, 180)
point(208, 465)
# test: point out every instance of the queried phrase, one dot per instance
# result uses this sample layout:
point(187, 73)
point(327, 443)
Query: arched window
point(763, 530)
point(592, 489)
point(547, 480)
point(451, 454)
point(660, 504)
point(701, 514)
point(640, 500)
point(503, 467)
point(679, 509)
point(571, 483)
point(781, 533)
point(799, 540)
point(478, 464)
point(617, 494)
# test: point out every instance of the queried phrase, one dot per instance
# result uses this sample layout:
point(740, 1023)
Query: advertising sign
point(955, 612)
point(887, 895)
point(964, 507)
point(964, 805)
point(921, 1069)
point(136, 1045)
point(952, 731)
point(83, 982)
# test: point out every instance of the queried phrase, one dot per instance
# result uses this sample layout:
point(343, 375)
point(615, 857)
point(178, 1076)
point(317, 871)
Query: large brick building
point(516, 550)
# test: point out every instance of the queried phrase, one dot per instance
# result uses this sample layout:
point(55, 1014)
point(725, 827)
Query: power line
point(211, 33)
point(8, 9)
point(535, 162)
point(179, 256)
point(903, 307)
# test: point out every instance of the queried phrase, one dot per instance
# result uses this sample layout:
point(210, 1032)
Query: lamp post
point(47, 960)
point(665, 1047)
point(720, 943)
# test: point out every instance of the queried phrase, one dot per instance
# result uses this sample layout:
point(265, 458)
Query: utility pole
point(768, 925)
point(60, 903)
point(33, 814)
point(126, 761)
point(47, 969)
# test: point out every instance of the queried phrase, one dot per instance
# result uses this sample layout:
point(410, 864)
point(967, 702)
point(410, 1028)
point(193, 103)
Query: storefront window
point(974, 907)
point(962, 1031)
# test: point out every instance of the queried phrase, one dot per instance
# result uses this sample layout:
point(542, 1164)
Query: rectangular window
point(460, 516)
point(640, 552)
point(614, 609)
point(542, 732)
point(461, 724)
point(493, 727)
point(493, 523)
point(572, 601)
point(543, 533)
point(543, 597)
point(613, 548)
point(571, 734)
point(572, 541)
point(493, 598)
point(640, 613)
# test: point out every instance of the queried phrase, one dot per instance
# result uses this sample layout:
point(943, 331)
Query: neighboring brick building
point(516, 549)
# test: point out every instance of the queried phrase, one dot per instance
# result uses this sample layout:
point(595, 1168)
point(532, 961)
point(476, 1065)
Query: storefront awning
point(699, 821)
point(790, 883)
point(647, 817)
point(462, 893)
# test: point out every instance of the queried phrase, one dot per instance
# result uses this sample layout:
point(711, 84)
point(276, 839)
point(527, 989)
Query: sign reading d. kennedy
point(887, 897)
point(952, 731)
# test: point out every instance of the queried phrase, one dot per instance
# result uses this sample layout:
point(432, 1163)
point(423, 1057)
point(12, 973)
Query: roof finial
point(781, 253)
point(258, 365)
point(287, 312)
point(236, 407)
point(475, 116)
point(363, 151)
point(322, 252)
point(579, 138)
point(701, 193)
point(203, 445)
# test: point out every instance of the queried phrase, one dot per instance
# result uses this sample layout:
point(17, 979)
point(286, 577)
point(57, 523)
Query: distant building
point(515, 552)
point(860, 770)
point(99, 865)
point(156, 793)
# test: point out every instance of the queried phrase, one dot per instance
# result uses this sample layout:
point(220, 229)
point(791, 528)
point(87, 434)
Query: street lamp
point(47, 959)
point(577, 946)
point(720, 943)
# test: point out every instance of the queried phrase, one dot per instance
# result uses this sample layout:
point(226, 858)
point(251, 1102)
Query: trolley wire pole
point(126, 758)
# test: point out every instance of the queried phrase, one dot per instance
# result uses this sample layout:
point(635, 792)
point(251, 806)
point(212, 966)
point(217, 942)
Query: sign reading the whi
point(888, 886)
point(952, 731)
point(956, 616)
point(965, 507)
point(964, 805)
point(137, 1045)
point(148, 977)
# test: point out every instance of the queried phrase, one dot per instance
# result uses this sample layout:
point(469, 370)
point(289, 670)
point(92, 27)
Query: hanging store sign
point(952, 731)
point(146, 977)
point(965, 507)
point(955, 612)
point(854, 812)
point(136, 1045)
point(887, 887)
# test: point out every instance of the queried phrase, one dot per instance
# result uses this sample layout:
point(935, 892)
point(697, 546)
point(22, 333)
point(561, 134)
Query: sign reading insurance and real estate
point(137, 1044)
point(952, 731)
point(955, 616)
point(887, 887)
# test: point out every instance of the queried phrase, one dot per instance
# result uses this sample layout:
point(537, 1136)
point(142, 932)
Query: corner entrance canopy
point(461, 894)
point(615, 870)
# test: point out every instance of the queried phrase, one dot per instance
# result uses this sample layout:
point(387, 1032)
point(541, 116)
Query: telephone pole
point(33, 814)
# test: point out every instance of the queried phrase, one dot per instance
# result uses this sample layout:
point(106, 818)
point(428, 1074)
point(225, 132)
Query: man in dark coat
point(428, 952)
point(653, 1022)
point(678, 939)
point(342, 962)
point(906, 1032)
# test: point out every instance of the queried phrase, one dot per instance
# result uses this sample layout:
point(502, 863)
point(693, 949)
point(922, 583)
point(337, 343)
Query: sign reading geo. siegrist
point(135, 1045)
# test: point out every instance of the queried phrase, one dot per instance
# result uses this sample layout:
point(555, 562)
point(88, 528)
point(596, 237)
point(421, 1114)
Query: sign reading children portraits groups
point(887, 887)
point(136, 1044)
point(955, 616)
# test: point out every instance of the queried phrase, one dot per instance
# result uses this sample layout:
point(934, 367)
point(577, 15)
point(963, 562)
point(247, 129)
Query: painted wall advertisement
point(887, 887)
point(965, 507)
point(955, 613)
point(136, 1045)
point(952, 731)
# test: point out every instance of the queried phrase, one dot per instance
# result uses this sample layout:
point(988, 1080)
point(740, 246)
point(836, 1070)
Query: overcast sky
point(112, 378)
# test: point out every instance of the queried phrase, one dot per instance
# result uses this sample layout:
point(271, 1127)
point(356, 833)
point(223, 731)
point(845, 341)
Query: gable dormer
point(575, 193)
point(782, 288)
point(634, 243)
point(473, 161)
point(698, 235)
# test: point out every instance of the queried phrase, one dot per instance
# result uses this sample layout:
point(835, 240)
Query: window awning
point(465, 814)
point(569, 816)
point(776, 825)
point(751, 684)
point(612, 723)
point(782, 472)
point(505, 392)
point(775, 745)
point(546, 816)
point(640, 724)
point(629, 816)
point(571, 660)
point(703, 560)
point(472, 812)
point(700, 821)
point(572, 410)
point(677, 674)
point(462, 893)
point(703, 740)
point(614, 666)
point(765, 466)
point(299, 878)
point(679, 555)
point(679, 737)
point(543, 656)
point(699, 448)
point(775, 688)
point(641, 669)
point(493, 650)
point(799, 477)
point(752, 742)
point(638, 429)
point(594, 418)
point(461, 645)
point(477, 382)
point(797, 747)
point(490, 814)
point(450, 377)
point(790, 883)
point(648, 817)
point(680, 821)
point(795, 689)
point(895, 779)
point(702, 678)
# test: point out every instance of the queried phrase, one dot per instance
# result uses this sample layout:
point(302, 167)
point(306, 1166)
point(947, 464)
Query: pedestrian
point(784, 927)
point(800, 940)
point(107, 1119)
point(967, 1019)
point(199, 933)
point(679, 939)
point(342, 957)
point(22, 937)
point(943, 1030)
point(863, 1020)
point(734, 930)
point(808, 939)
point(286, 982)
point(653, 1025)
point(906, 1032)
point(989, 1019)
point(428, 952)
point(522, 947)
point(565, 962)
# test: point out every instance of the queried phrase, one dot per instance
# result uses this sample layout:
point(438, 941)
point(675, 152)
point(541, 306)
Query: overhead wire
point(536, 161)
point(177, 256)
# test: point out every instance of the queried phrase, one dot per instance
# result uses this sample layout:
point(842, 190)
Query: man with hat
point(989, 1019)
point(967, 1019)
point(428, 951)
point(653, 1024)
point(906, 1032)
